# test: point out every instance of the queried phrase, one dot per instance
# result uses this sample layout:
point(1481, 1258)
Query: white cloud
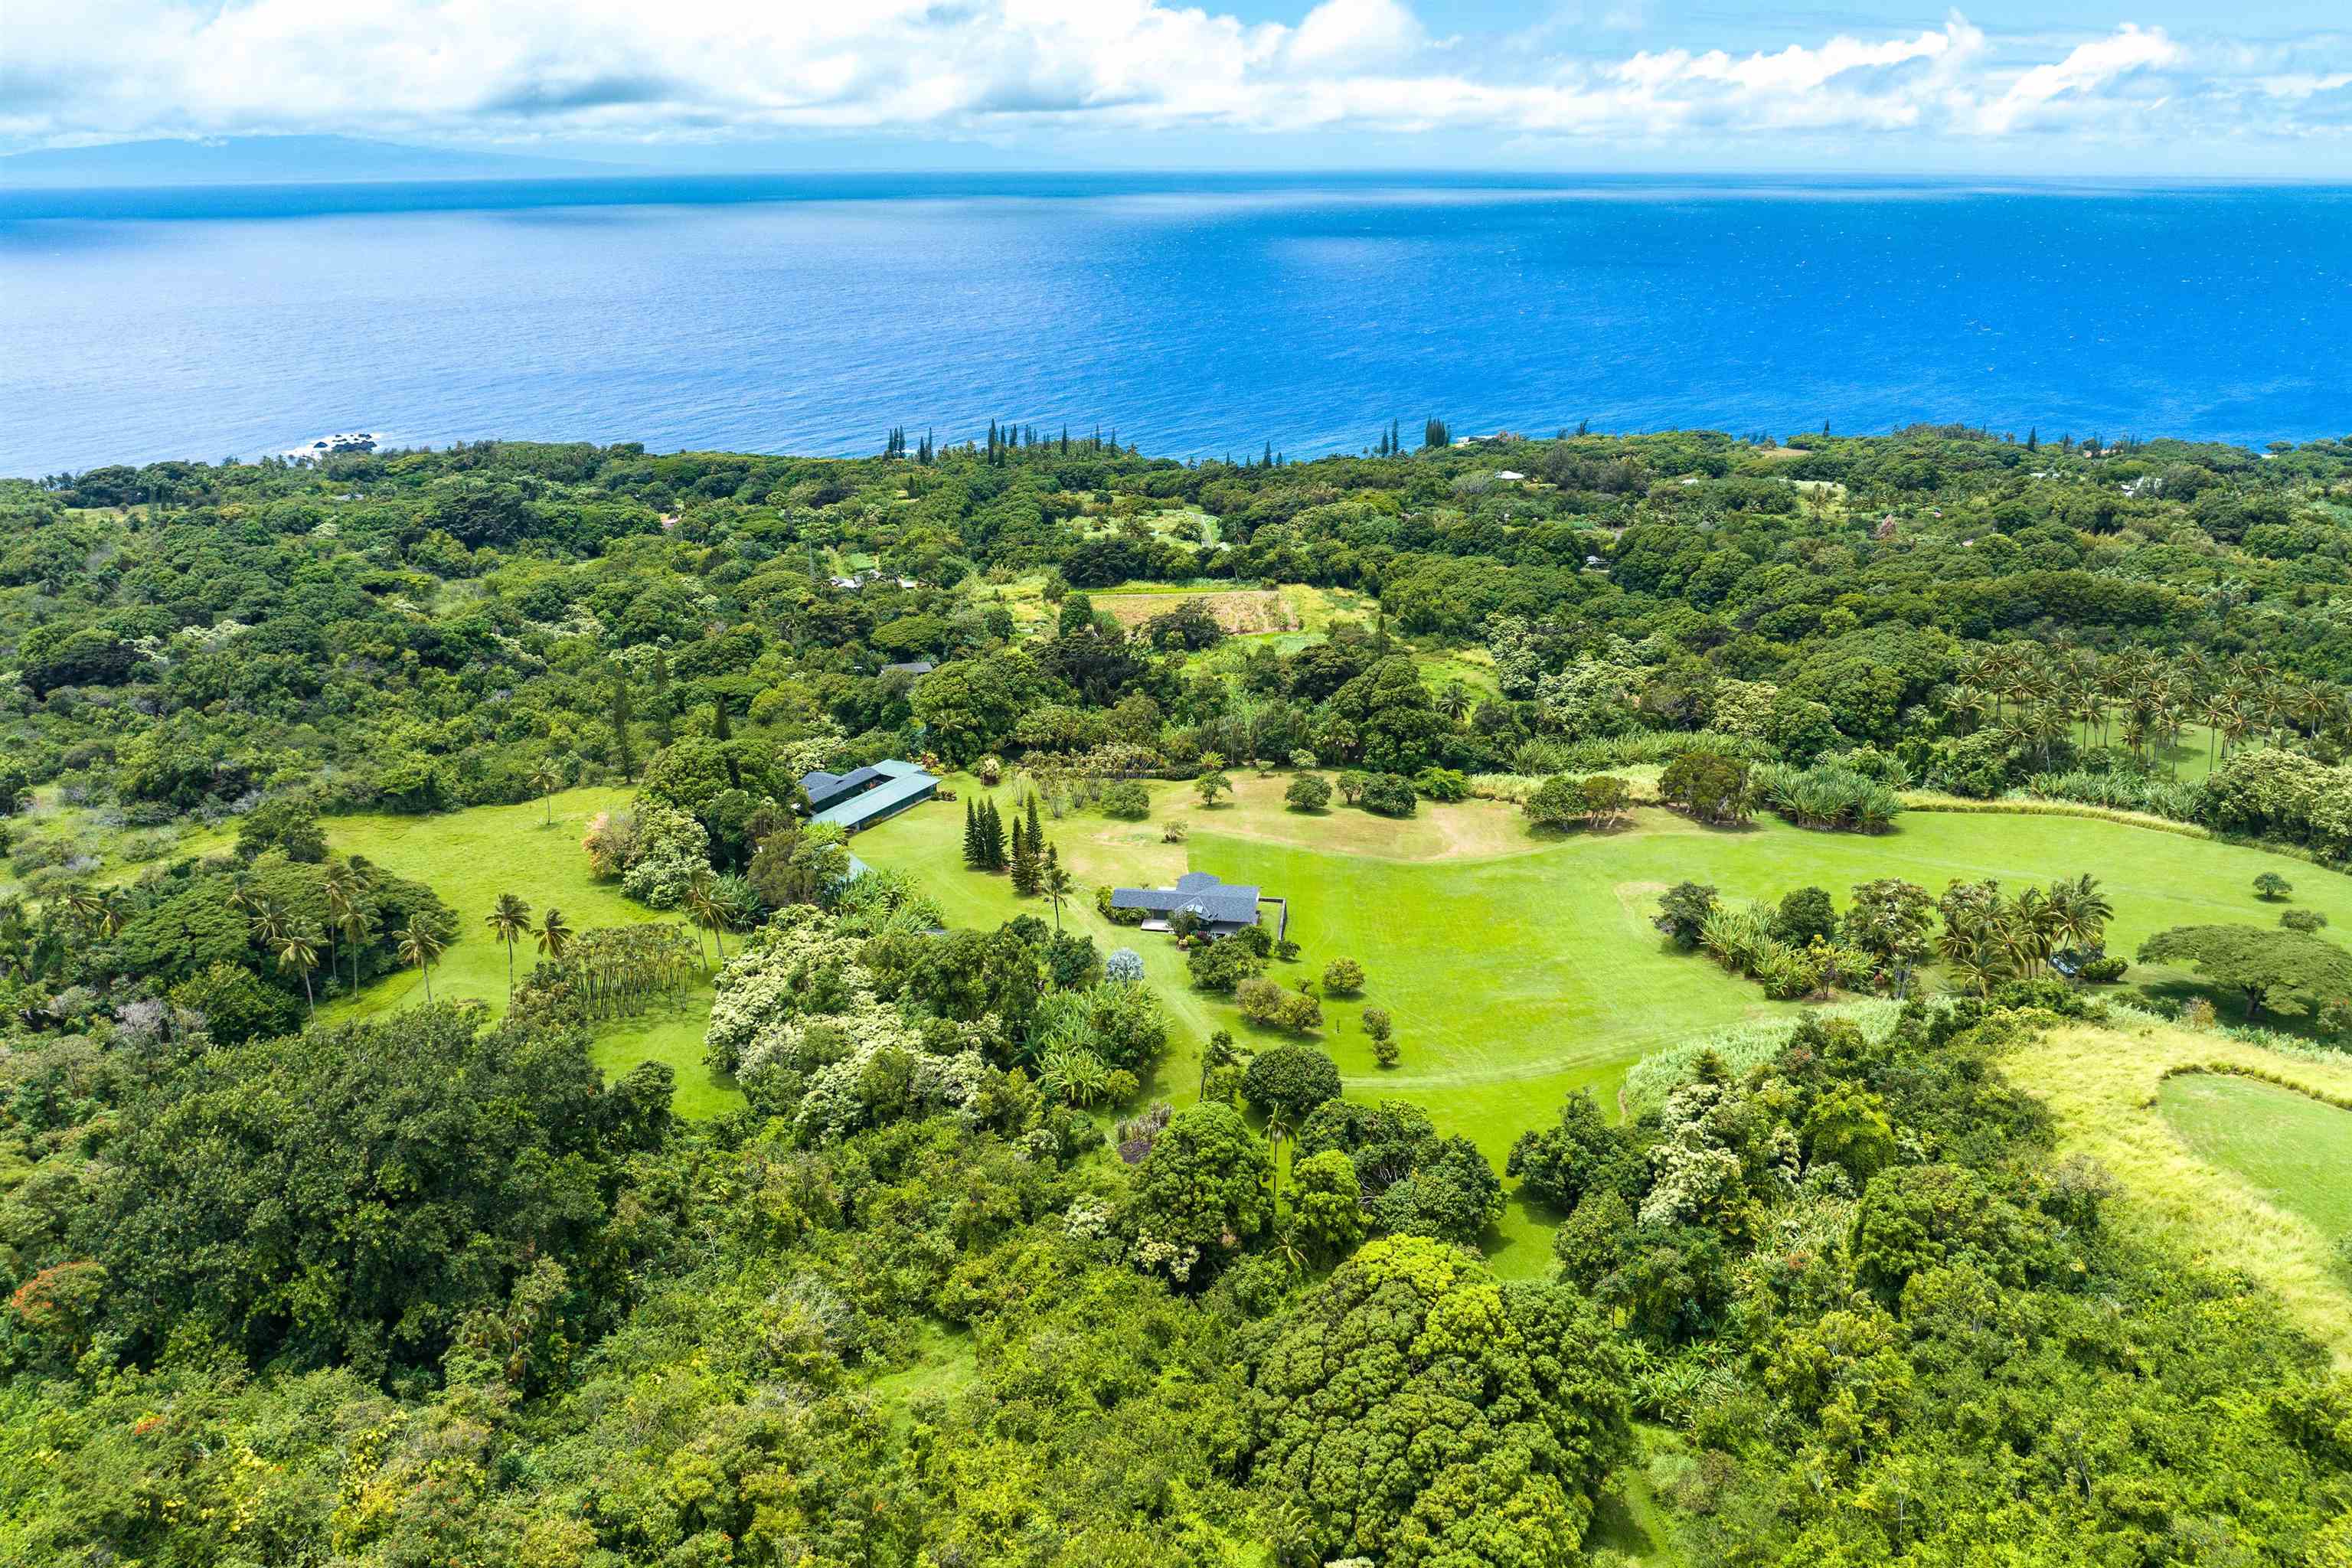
point(2081, 74)
point(523, 70)
point(1353, 35)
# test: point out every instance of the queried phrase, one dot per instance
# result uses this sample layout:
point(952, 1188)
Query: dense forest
point(951, 1288)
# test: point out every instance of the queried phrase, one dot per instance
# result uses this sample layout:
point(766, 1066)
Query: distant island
point(277, 160)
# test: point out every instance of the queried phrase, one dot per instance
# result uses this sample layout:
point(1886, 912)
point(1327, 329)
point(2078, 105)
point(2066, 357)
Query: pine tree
point(2034, 439)
point(1024, 860)
point(992, 837)
point(663, 734)
point(624, 752)
point(975, 854)
point(724, 732)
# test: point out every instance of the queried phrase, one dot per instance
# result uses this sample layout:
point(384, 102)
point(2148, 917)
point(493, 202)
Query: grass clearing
point(1519, 969)
point(2295, 1151)
point(469, 857)
point(2107, 1088)
point(1241, 611)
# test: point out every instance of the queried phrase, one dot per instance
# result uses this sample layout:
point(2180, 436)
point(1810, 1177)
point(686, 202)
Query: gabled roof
point(912, 667)
point(1196, 892)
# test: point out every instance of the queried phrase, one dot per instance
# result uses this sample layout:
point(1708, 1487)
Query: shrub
point(1309, 791)
point(1260, 999)
point(2103, 970)
point(1295, 1078)
point(1174, 831)
point(1442, 783)
point(1828, 795)
point(1299, 1012)
point(1683, 912)
point(1343, 977)
point(1123, 964)
point(1709, 785)
point(1804, 914)
point(2304, 921)
point(1129, 800)
point(1221, 965)
point(1390, 795)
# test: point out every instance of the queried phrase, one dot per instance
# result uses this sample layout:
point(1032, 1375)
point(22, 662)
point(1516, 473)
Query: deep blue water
point(1197, 316)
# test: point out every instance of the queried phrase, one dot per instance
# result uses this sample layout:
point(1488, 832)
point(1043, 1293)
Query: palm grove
point(948, 1290)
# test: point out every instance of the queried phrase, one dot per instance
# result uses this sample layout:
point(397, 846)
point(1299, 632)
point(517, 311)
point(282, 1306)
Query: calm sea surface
point(1197, 316)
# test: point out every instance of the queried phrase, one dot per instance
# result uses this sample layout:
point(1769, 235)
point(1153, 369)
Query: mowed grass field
point(469, 857)
point(1519, 969)
point(2231, 1174)
point(2295, 1151)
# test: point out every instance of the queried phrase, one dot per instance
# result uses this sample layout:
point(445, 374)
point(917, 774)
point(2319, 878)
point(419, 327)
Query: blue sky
point(2159, 88)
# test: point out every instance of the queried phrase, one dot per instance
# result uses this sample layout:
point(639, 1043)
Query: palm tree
point(356, 928)
point(111, 913)
point(420, 946)
point(707, 911)
point(1057, 885)
point(2080, 912)
point(1220, 1053)
point(553, 935)
point(84, 906)
point(297, 949)
point(270, 924)
point(1277, 1128)
point(1455, 700)
point(547, 781)
point(509, 922)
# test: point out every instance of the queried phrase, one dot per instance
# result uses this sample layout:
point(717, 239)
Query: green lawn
point(2294, 1151)
point(1520, 970)
point(469, 857)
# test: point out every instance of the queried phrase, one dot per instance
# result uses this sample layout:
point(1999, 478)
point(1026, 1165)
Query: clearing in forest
point(1241, 611)
point(2195, 1175)
point(2293, 1150)
point(1518, 968)
point(469, 857)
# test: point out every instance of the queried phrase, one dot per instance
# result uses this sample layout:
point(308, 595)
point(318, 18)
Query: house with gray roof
point(1222, 908)
point(857, 800)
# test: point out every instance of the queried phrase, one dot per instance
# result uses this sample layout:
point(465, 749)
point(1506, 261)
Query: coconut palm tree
point(83, 906)
point(2080, 912)
point(1220, 1052)
point(271, 922)
point(509, 923)
point(553, 935)
point(1455, 700)
point(356, 928)
point(420, 946)
point(707, 911)
point(1057, 885)
point(546, 781)
point(297, 949)
point(1278, 1129)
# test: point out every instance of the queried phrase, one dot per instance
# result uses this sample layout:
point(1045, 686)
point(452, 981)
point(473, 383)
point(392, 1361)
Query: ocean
point(1195, 316)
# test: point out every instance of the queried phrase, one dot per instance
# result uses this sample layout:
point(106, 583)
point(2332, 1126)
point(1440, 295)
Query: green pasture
point(1519, 969)
point(2295, 1151)
point(469, 857)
